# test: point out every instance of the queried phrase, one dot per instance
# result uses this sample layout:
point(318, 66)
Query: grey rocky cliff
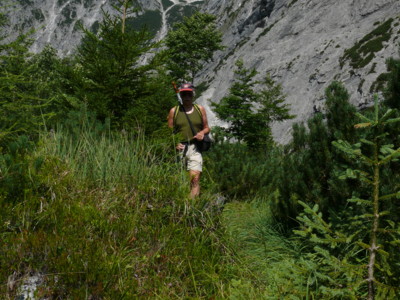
point(299, 43)
point(56, 21)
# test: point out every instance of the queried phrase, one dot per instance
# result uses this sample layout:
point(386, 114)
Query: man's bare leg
point(194, 183)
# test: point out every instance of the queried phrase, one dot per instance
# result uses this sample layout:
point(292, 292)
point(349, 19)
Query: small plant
point(251, 113)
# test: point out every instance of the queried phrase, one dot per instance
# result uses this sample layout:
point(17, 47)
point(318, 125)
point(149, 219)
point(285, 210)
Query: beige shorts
point(193, 159)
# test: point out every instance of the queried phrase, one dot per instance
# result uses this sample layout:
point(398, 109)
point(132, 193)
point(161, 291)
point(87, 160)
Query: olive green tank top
point(182, 127)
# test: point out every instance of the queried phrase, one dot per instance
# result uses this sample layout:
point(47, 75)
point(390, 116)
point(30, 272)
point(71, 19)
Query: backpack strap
point(196, 106)
point(176, 112)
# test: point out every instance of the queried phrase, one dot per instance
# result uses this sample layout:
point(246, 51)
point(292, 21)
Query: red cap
point(186, 87)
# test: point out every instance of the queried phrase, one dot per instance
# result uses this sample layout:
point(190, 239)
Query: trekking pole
point(177, 93)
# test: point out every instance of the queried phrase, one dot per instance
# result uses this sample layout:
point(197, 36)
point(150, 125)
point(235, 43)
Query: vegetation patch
point(379, 83)
point(364, 50)
point(265, 31)
point(38, 14)
point(166, 3)
point(177, 13)
point(69, 13)
point(372, 70)
point(151, 19)
point(291, 3)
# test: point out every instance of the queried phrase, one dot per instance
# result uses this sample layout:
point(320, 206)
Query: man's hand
point(199, 136)
point(180, 147)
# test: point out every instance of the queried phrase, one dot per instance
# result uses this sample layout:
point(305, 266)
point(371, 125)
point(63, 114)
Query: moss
point(150, 19)
point(87, 3)
point(178, 12)
point(166, 3)
point(38, 14)
point(25, 2)
point(61, 2)
point(291, 3)
point(372, 70)
point(364, 50)
point(265, 31)
point(242, 42)
point(360, 85)
point(312, 77)
point(379, 83)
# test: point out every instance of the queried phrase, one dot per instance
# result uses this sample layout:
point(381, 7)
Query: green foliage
point(267, 29)
point(18, 170)
point(23, 111)
point(310, 163)
point(104, 214)
point(392, 93)
point(358, 259)
point(243, 178)
point(110, 219)
point(364, 50)
point(112, 80)
point(250, 113)
point(190, 44)
point(340, 113)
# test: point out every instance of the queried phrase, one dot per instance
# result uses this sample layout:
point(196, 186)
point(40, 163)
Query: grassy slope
point(109, 217)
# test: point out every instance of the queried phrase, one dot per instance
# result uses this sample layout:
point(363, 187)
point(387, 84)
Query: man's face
point(187, 96)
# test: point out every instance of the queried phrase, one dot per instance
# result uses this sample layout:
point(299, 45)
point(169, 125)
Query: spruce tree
point(249, 113)
point(357, 256)
point(392, 92)
point(112, 73)
point(190, 44)
point(22, 109)
point(311, 163)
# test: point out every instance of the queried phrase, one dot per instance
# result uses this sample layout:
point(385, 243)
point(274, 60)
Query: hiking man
point(187, 147)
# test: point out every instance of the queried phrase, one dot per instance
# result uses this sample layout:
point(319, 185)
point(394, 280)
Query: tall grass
point(274, 265)
point(109, 218)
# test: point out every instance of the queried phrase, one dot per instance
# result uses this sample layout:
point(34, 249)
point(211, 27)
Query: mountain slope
point(56, 22)
point(302, 44)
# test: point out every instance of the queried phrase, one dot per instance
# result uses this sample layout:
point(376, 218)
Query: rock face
point(56, 21)
point(303, 44)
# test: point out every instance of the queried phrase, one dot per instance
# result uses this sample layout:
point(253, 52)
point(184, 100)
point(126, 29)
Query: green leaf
point(363, 245)
point(387, 114)
point(361, 201)
point(364, 141)
point(364, 118)
point(393, 120)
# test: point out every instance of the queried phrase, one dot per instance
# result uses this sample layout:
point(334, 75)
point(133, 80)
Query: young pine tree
point(112, 75)
point(249, 113)
point(22, 108)
point(190, 44)
point(311, 162)
point(359, 259)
